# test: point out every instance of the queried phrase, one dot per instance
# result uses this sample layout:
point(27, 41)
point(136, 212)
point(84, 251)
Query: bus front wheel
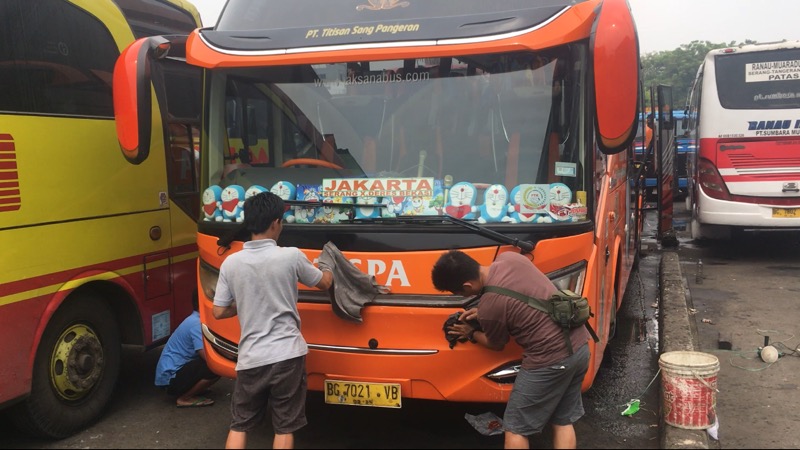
point(74, 371)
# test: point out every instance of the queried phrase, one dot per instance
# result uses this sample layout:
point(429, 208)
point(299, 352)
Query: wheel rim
point(77, 362)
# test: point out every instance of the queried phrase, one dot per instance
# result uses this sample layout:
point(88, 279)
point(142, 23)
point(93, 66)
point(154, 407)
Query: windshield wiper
point(225, 241)
point(525, 246)
point(319, 203)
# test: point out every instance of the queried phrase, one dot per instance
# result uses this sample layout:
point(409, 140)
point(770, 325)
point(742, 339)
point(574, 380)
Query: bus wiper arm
point(317, 204)
point(525, 246)
point(225, 241)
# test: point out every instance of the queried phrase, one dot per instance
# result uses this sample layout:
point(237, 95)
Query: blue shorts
point(551, 394)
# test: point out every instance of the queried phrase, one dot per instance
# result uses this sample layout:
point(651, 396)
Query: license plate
point(786, 213)
point(383, 395)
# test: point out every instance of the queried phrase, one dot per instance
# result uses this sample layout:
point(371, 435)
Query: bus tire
point(697, 230)
point(74, 372)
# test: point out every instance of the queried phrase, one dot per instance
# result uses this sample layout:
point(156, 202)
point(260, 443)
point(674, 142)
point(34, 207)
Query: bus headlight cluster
point(571, 277)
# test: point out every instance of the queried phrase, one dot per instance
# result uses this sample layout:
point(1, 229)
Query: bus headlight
point(570, 277)
point(208, 279)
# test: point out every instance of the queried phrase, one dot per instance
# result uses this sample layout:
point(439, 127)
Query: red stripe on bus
point(8, 192)
point(28, 284)
point(8, 165)
point(6, 201)
point(9, 175)
point(10, 208)
point(6, 146)
point(7, 155)
point(9, 184)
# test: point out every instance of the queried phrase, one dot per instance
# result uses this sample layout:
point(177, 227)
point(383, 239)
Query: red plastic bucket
point(689, 389)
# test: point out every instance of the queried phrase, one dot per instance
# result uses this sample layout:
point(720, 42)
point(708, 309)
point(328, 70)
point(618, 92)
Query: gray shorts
point(279, 388)
point(551, 394)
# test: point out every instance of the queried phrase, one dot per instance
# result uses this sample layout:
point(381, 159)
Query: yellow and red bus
point(489, 127)
point(98, 250)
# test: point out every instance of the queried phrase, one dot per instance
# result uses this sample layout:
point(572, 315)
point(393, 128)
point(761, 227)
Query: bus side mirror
point(132, 96)
point(615, 52)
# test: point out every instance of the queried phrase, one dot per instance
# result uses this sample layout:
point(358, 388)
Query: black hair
point(453, 269)
point(195, 301)
point(261, 210)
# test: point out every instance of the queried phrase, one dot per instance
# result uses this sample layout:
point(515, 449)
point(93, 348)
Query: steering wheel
point(310, 162)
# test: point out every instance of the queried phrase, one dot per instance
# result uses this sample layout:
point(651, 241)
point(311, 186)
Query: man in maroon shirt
point(548, 386)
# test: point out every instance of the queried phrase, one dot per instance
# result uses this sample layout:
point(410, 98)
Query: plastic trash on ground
point(487, 424)
point(632, 407)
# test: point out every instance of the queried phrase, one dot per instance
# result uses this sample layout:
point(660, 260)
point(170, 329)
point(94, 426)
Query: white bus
point(744, 113)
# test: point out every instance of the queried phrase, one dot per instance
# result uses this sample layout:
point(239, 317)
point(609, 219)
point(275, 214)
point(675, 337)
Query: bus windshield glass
point(759, 80)
point(490, 137)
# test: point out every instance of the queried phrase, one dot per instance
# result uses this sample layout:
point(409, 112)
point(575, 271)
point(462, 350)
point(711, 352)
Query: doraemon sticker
point(212, 204)
point(460, 201)
point(232, 203)
point(561, 206)
point(334, 214)
point(495, 205)
point(286, 191)
point(529, 202)
point(310, 193)
point(560, 194)
point(394, 206)
point(560, 198)
point(367, 212)
point(253, 190)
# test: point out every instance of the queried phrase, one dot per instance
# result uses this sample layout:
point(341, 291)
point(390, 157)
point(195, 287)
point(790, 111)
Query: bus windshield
point(488, 137)
point(759, 80)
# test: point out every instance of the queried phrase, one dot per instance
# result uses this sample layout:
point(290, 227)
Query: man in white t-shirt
point(259, 285)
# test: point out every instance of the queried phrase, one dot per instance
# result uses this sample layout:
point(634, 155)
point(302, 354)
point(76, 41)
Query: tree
point(677, 68)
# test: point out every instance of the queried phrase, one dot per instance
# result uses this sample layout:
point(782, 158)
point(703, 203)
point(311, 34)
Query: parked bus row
point(442, 130)
point(684, 150)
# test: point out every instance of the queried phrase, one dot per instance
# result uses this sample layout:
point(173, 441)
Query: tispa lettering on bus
point(396, 272)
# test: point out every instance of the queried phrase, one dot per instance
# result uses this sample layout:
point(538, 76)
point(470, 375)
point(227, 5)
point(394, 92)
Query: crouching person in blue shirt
point(182, 367)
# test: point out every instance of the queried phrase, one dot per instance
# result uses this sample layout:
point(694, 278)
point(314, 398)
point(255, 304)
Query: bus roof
point(766, 46)
point(255, 25)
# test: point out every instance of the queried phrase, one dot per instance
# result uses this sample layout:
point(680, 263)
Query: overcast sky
point(666, 24)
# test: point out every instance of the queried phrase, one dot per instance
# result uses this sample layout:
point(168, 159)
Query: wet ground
point(741, 292)
point(630, 364)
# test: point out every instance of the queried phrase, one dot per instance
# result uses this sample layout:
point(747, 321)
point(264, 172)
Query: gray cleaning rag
point(352, 288)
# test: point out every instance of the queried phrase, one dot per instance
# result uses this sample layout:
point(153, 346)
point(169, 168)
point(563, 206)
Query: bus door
point(177, 86)
point(665, 157)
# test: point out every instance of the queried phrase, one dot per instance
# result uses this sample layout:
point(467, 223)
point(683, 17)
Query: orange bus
point(398, 130)
point(98, 250)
